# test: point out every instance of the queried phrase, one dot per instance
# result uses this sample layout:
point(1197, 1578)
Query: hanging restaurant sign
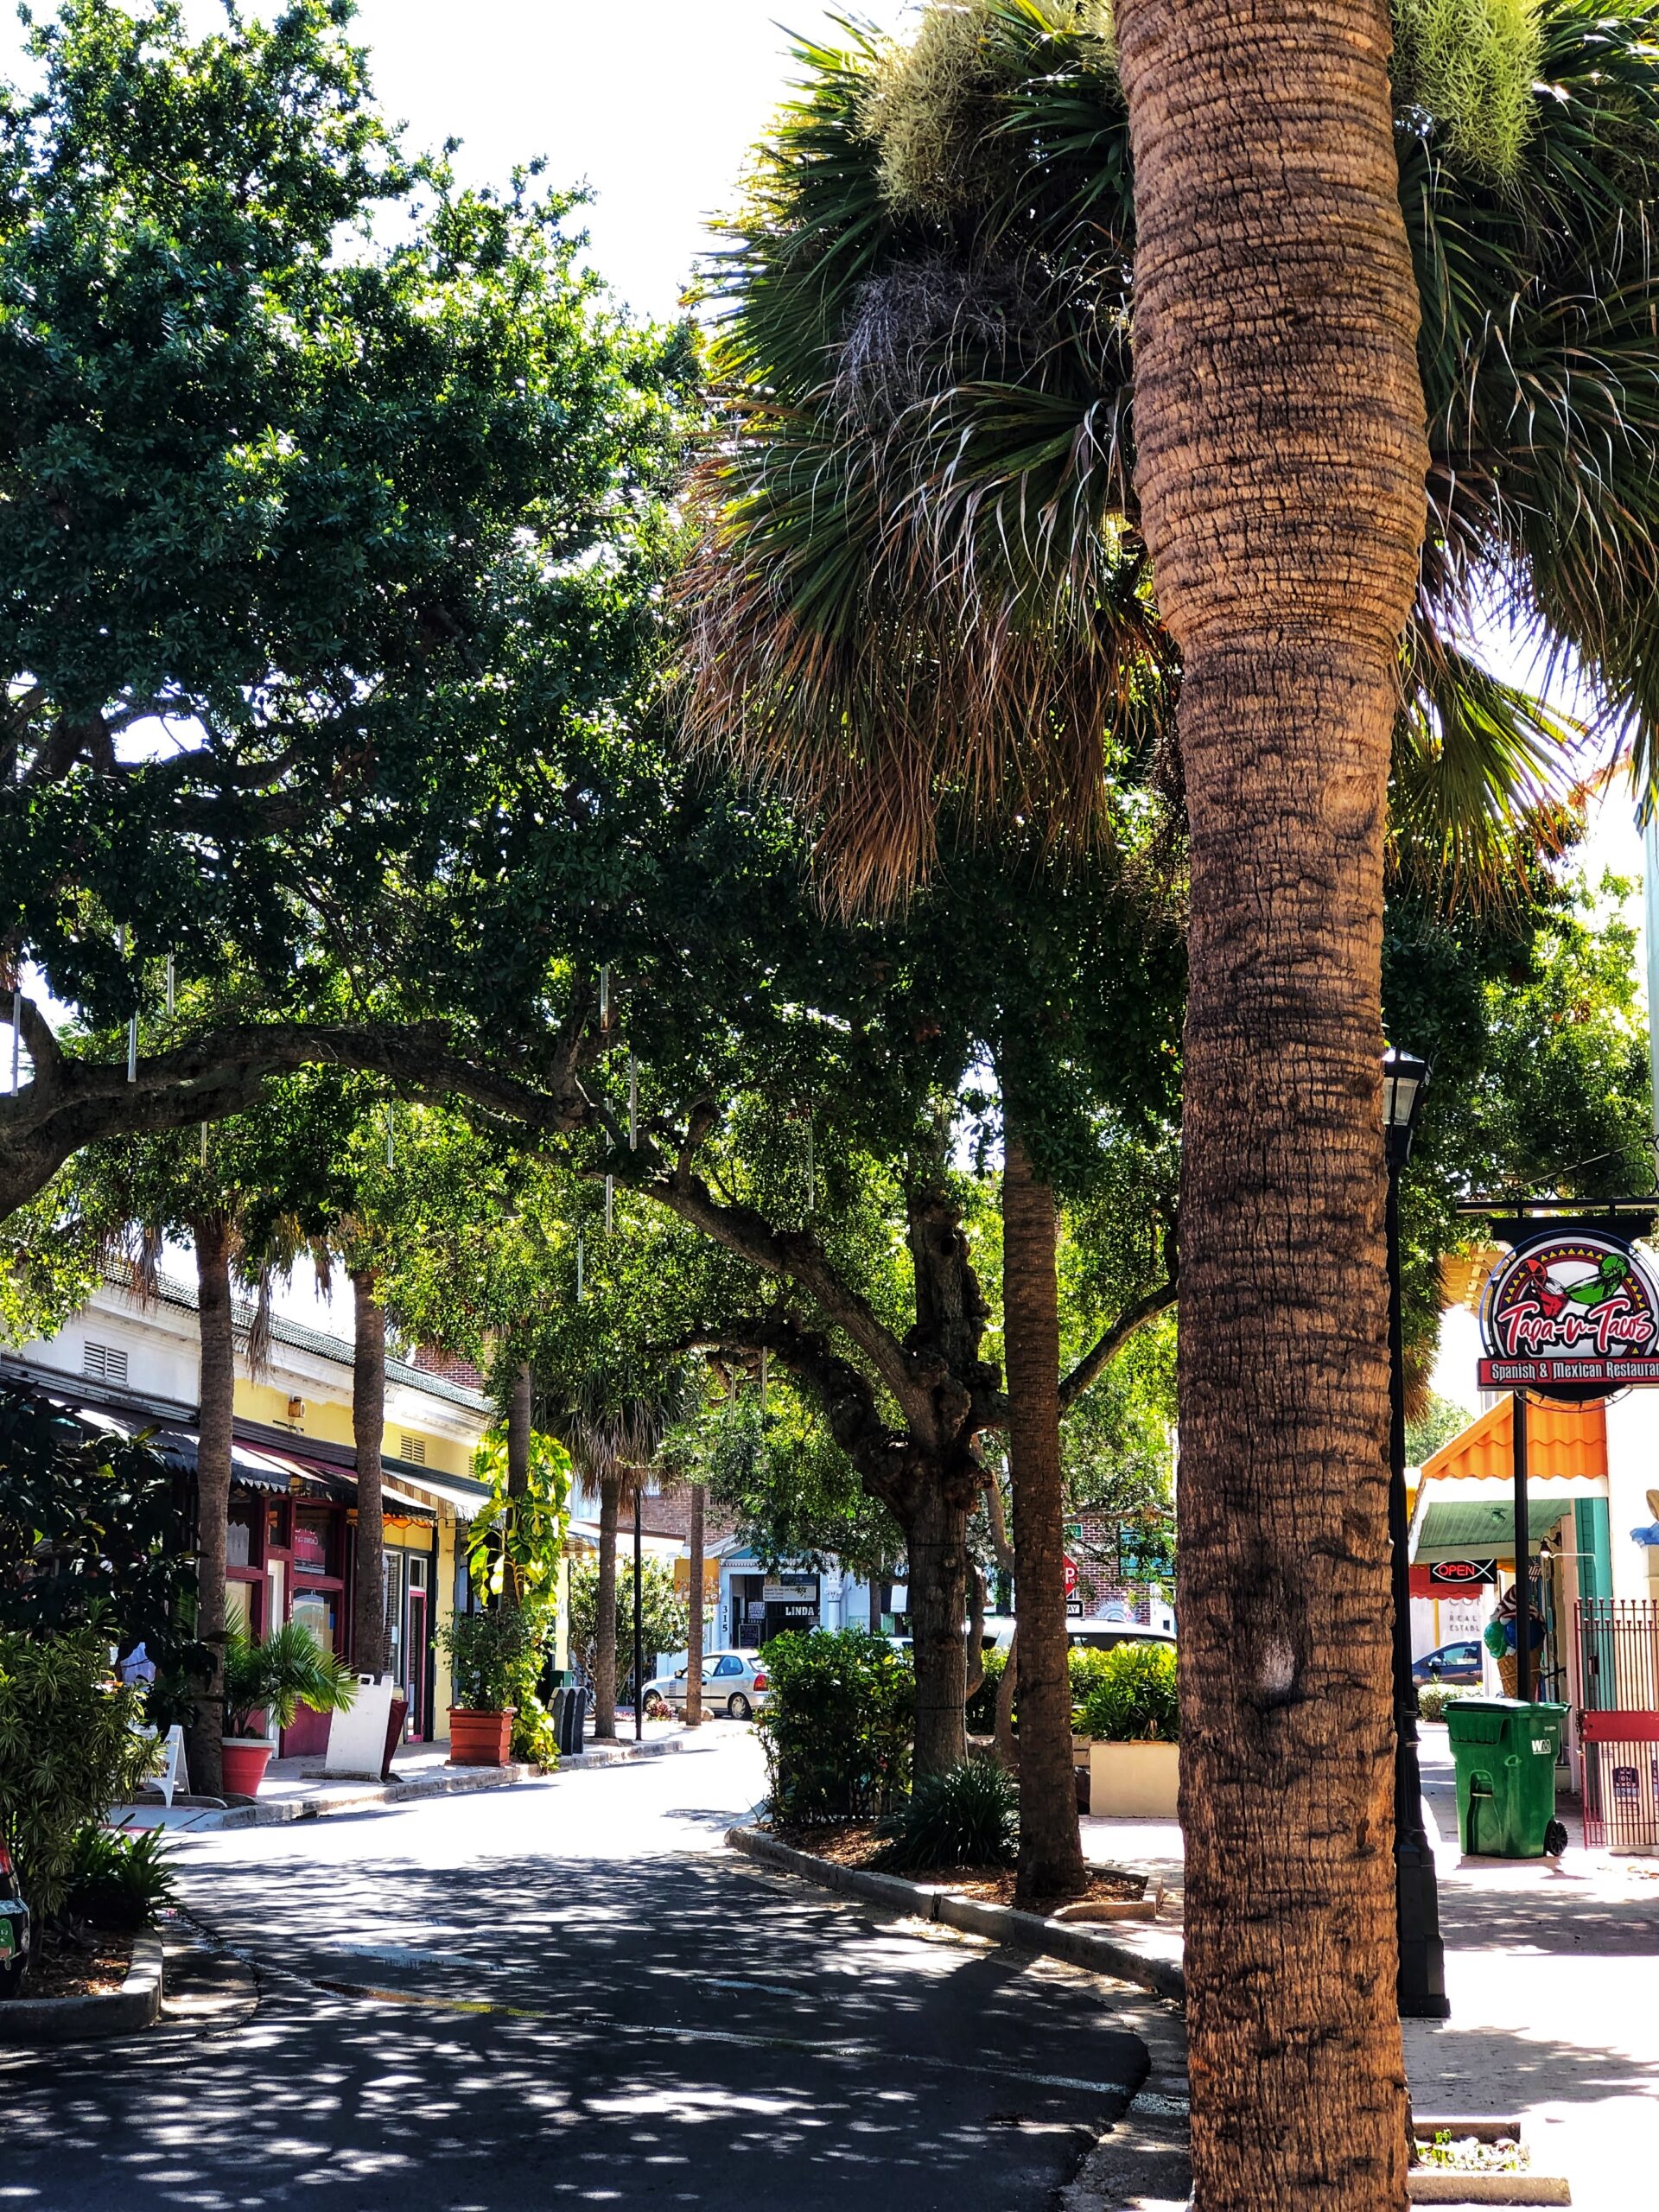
point(1572, 1313)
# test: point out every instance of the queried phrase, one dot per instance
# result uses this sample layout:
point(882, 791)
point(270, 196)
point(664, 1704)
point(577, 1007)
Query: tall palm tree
point(612, 1422)
point(943, 467)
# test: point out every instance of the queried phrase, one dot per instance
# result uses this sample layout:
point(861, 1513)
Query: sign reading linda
point(1573, 1313)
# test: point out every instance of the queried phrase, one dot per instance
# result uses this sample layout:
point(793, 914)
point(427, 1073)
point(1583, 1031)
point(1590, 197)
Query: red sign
point(1071, 1565)
point(1572, 1313)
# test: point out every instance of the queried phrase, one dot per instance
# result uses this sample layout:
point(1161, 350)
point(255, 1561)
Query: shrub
point(969, 1816)
point(118, 1880)
point(1432, 1700)
point(488, 1654)
point(1134, 1699)
point(1085, 1668)
point(69, 1749)
point(288, 1669)
point(837, 1726)
point(981, 1706)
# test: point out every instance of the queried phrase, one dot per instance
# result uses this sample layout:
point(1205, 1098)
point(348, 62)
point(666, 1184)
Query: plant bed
point(65, 1969)
point(1468, 2154)
point(855, 1843)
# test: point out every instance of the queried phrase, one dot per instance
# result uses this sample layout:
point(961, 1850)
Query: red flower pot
point(479, 1739)
point(242, 1760)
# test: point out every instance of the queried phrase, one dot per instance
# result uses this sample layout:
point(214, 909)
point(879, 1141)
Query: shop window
point(313, 1542)
point(240, 1527)
point(317, 1610)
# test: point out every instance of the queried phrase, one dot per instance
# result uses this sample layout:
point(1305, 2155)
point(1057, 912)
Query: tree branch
point(797, 1257)
point(72, 1103)
point(846, 1397)
point(1106, 1348)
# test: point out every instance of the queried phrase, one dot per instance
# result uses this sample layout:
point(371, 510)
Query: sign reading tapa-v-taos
point(1572, 1313)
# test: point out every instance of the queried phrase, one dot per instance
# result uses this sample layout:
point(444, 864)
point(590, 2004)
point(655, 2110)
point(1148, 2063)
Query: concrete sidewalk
point(1553, 1970)
point(298, 1789)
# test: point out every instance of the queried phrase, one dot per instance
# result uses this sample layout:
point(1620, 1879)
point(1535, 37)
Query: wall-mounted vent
point(107, 1362)
point(415, 1449)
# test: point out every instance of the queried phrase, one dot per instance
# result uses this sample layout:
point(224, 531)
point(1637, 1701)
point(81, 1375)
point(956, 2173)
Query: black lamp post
point(1417, 1904)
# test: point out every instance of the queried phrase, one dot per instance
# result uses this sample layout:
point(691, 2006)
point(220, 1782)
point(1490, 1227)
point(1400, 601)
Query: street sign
point(1074, 1609)
point(1070, 1576)
point(1572, 1313)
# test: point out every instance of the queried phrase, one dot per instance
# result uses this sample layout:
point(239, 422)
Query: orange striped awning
point(1562, 1440)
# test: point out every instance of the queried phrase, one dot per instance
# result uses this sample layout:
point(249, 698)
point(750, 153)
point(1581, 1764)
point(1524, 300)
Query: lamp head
point(1405, 1081)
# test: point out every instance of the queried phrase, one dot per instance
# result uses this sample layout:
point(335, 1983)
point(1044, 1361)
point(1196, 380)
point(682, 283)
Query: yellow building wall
point(329, 1421)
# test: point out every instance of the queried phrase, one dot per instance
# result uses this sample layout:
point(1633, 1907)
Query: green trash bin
point(1505, 1754)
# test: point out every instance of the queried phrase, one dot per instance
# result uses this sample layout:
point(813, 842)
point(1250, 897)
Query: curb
point(33, 2021)
point(462, 1782)
point(1148, 1968)
point(280, 1811)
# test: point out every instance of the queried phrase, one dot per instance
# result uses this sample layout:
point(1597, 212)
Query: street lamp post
point(1417, 1904)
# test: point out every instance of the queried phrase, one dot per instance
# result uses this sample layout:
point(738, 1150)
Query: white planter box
point(1134, 1782)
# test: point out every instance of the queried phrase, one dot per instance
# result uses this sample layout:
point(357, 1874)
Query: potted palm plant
point(274, 1679)
point(1131, 1717)
point(484, 1650)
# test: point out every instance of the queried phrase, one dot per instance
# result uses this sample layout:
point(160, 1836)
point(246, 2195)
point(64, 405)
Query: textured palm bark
point(1051, 1847)
point(610, 1502)
point(694, 1631)
point(517, 1465)
point(369, 1653)
point(1278, 423)
point(217, 1391)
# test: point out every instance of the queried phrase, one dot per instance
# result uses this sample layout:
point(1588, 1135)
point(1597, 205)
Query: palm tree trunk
point(518, 1467)
point(610, 1501)
point(1279, 428)
point(694, 1636)
point(217, 1390)
point(1051, 1847)
point(370, 1656)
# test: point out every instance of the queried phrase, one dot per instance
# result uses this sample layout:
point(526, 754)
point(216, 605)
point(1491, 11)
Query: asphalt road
point(568, 1993)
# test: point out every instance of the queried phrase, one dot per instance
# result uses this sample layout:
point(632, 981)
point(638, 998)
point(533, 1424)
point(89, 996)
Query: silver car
point(732, 1682)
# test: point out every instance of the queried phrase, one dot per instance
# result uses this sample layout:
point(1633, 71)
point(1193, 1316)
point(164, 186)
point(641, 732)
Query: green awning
point(1478, 1531)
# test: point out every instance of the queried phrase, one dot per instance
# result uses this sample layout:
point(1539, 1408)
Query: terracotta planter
point(243, 1761)
point(1134, 1782)
point(479, 1739)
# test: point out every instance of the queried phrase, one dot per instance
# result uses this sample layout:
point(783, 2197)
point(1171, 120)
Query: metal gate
point(1618, 1652)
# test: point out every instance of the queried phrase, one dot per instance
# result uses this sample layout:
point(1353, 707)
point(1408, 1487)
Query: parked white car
point(732, 1682)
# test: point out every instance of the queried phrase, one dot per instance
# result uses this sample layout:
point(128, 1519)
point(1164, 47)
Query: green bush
point(969, 1816)
point(118, 1880)
point(1133, 1700)
point(1432, 1700)
point(836, 1727)
point(69, 1749)
point(1085, 1668)
point(981, 1706)
point(488, 1654)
